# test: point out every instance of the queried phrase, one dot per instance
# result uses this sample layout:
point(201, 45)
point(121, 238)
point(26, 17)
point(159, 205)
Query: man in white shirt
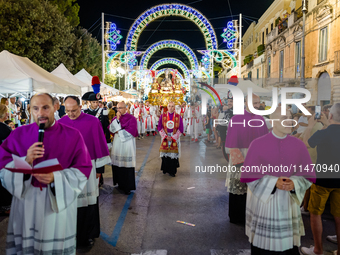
point(56, 113)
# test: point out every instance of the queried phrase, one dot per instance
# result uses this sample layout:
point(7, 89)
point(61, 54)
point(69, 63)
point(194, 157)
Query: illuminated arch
point(172, 44)
point(173, 61)
point(165, 10)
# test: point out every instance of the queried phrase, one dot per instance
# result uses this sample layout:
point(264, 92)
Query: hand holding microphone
point(36, 150)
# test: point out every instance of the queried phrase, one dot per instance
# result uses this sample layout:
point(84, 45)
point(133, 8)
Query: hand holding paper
point(45, 167)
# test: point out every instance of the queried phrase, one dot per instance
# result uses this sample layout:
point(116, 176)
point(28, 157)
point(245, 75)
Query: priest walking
point(88, 223)
point(123, 152)
point(170, 127)
point(44, 206)
point(239, 137)
point(274, 222)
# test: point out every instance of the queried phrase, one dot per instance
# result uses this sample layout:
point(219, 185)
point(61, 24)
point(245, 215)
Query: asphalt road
point(145, 222)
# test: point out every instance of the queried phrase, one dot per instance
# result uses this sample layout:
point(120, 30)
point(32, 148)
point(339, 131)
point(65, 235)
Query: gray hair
point(326, 107)
point(55, 100)
point(335, 111)
point(109, 105)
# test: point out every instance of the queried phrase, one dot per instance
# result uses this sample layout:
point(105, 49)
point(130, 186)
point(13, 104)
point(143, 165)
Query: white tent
point(243, 85)
point(132, 92)
point(21, 75)
point(62, 72)
point(85, 77)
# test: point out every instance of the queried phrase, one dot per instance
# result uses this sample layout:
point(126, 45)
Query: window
point(271, 27)
point(323, 44)
point(281, 65)
point(262, 37)
point(257, 73)
point(297, 59)
point(269, 66)
point(266, 30)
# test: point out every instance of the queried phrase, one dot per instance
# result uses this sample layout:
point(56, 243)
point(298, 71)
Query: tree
point(70, 9)
point(110, 80)
point(36, 30)
point(86, 53)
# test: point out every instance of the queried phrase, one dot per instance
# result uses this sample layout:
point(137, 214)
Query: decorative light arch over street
point(173, 44)
point(173, 61)
point(165, 10)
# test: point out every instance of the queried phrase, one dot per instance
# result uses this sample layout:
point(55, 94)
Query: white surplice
point(140, 114)
point(123, 152)
point(40, 222)
point(273, 221)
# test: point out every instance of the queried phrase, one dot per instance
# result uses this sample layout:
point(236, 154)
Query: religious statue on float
point(178, 85)
point(166, 84)
point(155, 86)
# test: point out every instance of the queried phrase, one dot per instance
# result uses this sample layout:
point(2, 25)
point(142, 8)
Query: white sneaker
point(303, 211)
point(332, 239)
point(308, 251)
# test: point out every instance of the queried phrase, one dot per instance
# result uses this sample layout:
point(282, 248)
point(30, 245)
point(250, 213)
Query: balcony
point(258, 60)
point(272, 35)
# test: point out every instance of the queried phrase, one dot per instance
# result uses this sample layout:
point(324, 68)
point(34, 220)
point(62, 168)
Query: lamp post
point(303, 80)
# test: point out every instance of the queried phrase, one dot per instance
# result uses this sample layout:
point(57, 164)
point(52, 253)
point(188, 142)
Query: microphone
point(41, 133)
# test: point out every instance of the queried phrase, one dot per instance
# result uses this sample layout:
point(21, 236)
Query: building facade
point(280, 65)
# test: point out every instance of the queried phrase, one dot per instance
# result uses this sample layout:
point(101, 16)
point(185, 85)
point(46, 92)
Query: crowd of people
point(80, 137)
point(93, 133)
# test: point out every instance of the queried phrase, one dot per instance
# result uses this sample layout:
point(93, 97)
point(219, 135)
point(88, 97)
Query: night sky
point(124, 12)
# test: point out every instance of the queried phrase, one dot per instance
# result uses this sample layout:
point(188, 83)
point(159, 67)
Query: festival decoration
point(173, 61)
point(230, 35)
point(165, 10)
point(172, 44)
point(113, 36)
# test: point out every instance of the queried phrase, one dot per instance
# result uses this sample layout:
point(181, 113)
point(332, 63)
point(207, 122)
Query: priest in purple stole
point(170, 127)
point(276, 188)
point(44, 206)
point(88, 224)
point(123, 152)
point(239, 136)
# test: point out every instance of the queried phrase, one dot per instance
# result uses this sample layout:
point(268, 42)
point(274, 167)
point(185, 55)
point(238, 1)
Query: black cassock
point(104, 119)
point(169, 165)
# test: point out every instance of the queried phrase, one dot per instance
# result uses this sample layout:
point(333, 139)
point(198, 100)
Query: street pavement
point(145, 222)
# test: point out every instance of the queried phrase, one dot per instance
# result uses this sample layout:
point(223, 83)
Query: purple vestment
point(61, 142)
point(129, 123)
point(171, 116)
point(240, 135)
point(269, 150)
point(92, 131)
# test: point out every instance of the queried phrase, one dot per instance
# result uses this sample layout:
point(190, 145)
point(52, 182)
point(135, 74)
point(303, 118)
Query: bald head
point(335, 113)
point(256, 102)
point(171, 107)
point(122, 104)
point(122, 107)
point(43, 109)
point(283, 123)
